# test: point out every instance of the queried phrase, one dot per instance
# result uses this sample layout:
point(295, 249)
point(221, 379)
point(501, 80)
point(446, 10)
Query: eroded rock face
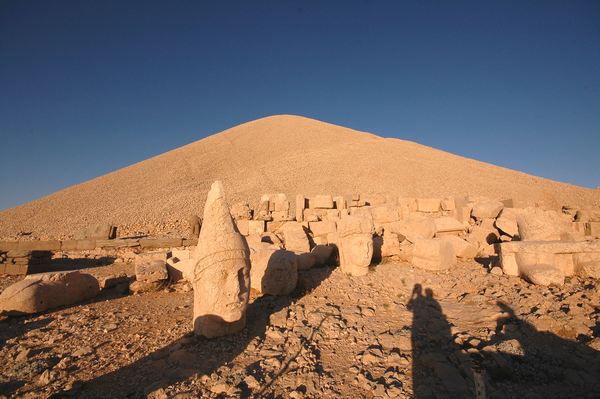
point(273, 271)
point(221, 271)
point(536, 224)
point(355, 244)
point(40, 292)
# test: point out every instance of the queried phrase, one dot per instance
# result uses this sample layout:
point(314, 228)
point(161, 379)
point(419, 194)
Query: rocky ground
point(397, 332)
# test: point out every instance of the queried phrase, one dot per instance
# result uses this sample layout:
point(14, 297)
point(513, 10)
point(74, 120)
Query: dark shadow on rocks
point(190, 356)
point(526, 362)
point(69, 264)
point(437, 370)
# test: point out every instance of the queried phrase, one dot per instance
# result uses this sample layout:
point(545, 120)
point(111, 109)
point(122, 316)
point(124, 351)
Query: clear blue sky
point(87, 87)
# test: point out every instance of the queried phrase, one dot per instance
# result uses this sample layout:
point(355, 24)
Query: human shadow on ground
point(189, 355)
point(518, 361)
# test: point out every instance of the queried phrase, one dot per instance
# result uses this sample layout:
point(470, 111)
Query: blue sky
point(87, 87)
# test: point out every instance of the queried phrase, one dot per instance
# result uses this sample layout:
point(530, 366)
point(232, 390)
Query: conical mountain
point(284, 153)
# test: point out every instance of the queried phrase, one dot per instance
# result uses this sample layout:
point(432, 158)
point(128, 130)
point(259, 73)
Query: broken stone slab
point(300, 206)
point(433, 254)
point(195, 223)
point(140, 287)
point(161, 242)
point(243, 226)
point(77, 245)
point(560, 254)
point(295, 238)
point(536, 224)
point(323, 254)
point(40, 292)
point(180, 265)
point(98, 232)
point(221, 271)
point(118, 243)
point(387, 245)
point(428, 204)
point(322, 228)
point(414, 227)
point(386, 214)
point(339, 202)
point(321, 202)
point(588, 215)
point(462, 248)
point(256, 227)
point(486, 209)
point(507, 222)
point(447, 225)
point(151, 266)
point(539, 269)
point(448, 204)
point(35, 245)
point(241, 211)
point(587, 264)
point(273, 271)
point(592, 229)
point(483, 234)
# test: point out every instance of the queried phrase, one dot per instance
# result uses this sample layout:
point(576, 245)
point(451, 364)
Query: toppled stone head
point(221, 271)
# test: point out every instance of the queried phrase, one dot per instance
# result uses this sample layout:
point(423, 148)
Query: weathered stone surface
point(593, 229)
point(446, 224)
point(486, 209)
point(507, 222)
point(8, 245)
point(243, 226)
point(462, 248)
point(413, 228)
point(321, 201)
point(256, 227)
point(539, 268)
point(386, 245)
point(386, 214)
point(195, 223)
point(536, 224)
point(98, 232)
point(273, 271)
point(484, 233)
point(339, 202)
point(322, 228)
point(77, 245)
point(428, 204)
point(300, 205)
point(221, 271)
point(295, 238)
point(433, 254)
point(448, 204)
point(180, 265)
point(52, 245)
point(151, 267)
point(322, 254)
point(241, 211)
point(587, 264)
point(140, 287)
point(588, 215)
point(118, 243)
point(161, 242)
point(40, 292)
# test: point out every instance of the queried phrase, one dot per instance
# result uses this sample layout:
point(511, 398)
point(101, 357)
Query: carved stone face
point(357, 253)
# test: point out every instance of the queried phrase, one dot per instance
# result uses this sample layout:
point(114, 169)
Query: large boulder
point(539, 268)
point(433, 254)
point(536, 224)
point(413, 228)
point(507, 222)
point(273, 271)
point(40, 292)
point(486, 209)
point(295, 238)
point(462, 248)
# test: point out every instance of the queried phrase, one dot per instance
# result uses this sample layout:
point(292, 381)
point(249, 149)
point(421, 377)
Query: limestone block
point(300, 206)
point(587, 264)
point(448, 204)
point(321, 201)
point(295, 238)
point(536, 224)
point(462, 248)
point(507, 222)
point(386, 214)
point(593, 229)
point(180, 265)
point(195, 224)
point(339, 202)
point(322, 228)
point(407, 205)
point(279, 216)
point(140, 287)
point(77, 245)
point(354, 224)
point(263, 211)
point(462, 213)
point(588, 215)
point(221, 271)
point(243, 226)
point(484, 233)
point(413, 228)
point(241, 211)
point(273, 271)
point(566, 263)
point(161, 242)
point(539, 268)
point(486, 209)
point(306, 260)
point(151, 267)
point(447, 224)
point(374, 199)
point(8, 245)
point(322, 254)
point(256, 227)
point(39, 245)
point(332, 215)
point(118, 243)
point(311, 215)
point(390, 245)
point(433, 254)
point(98, 232)
point(40, 292)
point(508, 262)
point(428, 204)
